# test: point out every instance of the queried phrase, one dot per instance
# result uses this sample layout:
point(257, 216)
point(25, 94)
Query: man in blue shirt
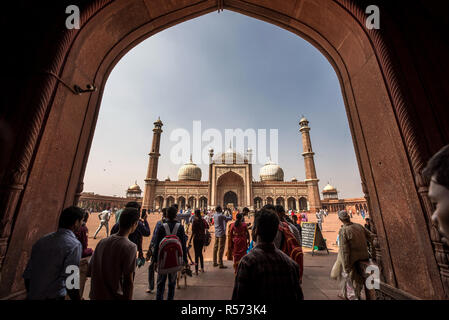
point(54, 258)
point(220, 221)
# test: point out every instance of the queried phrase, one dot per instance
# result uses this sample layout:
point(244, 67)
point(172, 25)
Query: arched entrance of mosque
point(192, 202)
point(170, 201)
point(203, 203)
point(387, 142)
point(302, 203)
point(257, 203)
point(230, 200)
point(291, 203)
point(159, 202)
point(230, 189)
point(181, 203)
point(280, 201)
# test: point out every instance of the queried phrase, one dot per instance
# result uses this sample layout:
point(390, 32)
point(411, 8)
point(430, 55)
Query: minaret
point(210, 202)
point(309, 164)
point(151, 179)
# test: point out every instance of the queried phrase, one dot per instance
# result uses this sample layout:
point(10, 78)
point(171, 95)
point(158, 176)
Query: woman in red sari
point(238, 240)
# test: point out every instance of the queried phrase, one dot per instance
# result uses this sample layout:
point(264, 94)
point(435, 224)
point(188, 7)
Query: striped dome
point(271, 172)
point(189, 171)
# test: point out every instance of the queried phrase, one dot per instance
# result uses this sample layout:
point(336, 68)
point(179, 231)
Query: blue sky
point(229, 71)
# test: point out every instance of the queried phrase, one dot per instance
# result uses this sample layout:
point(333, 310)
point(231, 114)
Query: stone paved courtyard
point(217, 284)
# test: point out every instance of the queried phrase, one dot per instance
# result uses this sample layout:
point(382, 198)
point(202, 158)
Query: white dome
point(134, 188)
point(329, 188)
point(189, 171)
point(230, 157)
point(271, 172)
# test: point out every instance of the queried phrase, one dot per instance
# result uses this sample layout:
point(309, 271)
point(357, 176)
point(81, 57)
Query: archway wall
point(113, 28)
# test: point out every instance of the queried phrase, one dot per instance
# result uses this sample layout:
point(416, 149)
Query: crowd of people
point(267, 256)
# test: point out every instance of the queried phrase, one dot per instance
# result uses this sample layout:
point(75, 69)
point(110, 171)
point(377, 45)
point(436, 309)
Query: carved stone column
point(9, 196)
point(79, 190)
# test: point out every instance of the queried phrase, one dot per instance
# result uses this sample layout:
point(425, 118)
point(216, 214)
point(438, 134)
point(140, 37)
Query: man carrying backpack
point(170, 253)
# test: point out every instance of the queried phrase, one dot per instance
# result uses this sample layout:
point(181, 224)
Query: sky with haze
point(228, 71)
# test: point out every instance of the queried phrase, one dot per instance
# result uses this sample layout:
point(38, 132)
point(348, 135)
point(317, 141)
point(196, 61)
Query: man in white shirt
point(104, 221)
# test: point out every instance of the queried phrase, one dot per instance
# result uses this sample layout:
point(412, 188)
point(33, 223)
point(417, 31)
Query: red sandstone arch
point(230, 182)
point(377, 115)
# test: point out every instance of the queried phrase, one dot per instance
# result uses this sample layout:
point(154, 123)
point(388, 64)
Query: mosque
point(230, 184)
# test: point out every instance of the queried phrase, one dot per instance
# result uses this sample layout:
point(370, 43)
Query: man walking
point(220, 221)
point(266, 273)
point(113, 263)
point(353, 248)
point(104, 217)
point(320, 218)
point(173, 227)
point(142, 230)
point(151, 250)
point(52, 258)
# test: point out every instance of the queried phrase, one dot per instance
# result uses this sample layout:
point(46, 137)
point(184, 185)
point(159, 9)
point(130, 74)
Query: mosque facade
point(230, 184)
point(230, 181)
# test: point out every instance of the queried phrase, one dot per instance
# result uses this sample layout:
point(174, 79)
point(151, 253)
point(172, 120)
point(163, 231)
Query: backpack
point(207, 238)
point(170, 257)
point(291, 247)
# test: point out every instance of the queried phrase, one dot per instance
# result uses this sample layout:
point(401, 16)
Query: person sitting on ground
point(171, 223)
point(353, 248)
point(113, 263)
point(238, 240)
point(47, 270)
point(266, 273)
point(437, 173)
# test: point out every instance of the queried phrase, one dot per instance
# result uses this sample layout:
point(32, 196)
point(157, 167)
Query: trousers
point(219, 247)
point(161, 279)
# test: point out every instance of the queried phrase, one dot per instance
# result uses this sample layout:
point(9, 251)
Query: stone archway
point(181, 203)
point(229, 183)
point(170, 201)
point(291, 203)
point(192, 203)
point(109, 29)
point(258, 203)
point(280, 201)
point(230, 200)
point(302, 203)
point(159, 202)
